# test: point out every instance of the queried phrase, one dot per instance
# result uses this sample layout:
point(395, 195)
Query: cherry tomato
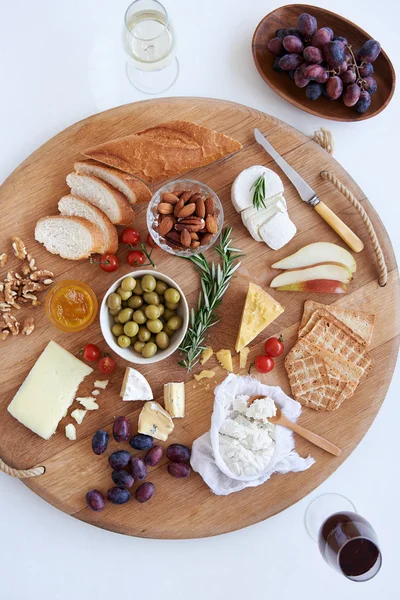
point(91, 352)
point(106, 365)
point(130, 236)
point(149, 241)
point(274, 346)
point(109, 262)
point(136, 258)
point(264, 363)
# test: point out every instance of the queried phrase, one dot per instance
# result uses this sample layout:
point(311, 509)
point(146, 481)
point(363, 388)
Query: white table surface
point(61, 61)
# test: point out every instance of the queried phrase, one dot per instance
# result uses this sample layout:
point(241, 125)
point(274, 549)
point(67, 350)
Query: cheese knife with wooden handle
point(308, 195)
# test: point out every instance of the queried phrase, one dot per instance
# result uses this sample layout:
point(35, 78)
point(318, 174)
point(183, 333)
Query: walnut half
point(18, 247)
point(3, 259)
point(28, 325)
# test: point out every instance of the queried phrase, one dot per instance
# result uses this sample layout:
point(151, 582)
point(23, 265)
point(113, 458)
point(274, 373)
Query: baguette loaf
point(132, 187)
point(104, 196)
point(165, 150)
point(72, 206)
point(74, 238)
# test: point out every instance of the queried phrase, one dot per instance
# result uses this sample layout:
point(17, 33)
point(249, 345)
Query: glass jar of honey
point(71, 305)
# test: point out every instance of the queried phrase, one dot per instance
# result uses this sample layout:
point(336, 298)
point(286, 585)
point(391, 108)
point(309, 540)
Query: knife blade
point(308, 195)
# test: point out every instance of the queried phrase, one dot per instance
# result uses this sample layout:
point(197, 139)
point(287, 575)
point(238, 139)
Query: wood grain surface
point(286, 16)
point(187, 508)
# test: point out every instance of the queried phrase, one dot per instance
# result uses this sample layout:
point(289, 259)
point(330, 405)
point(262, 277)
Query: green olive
point(149, 350)
point(116, 319)
point(128, 283)
point(171, 305)
point(134, 340)
point(125, 315)
point(114, 311)
point(144, 334)
point(124, 341)
point(168, 331)
point(138, 288)
point(139, 317)
point(154, 325)
point(138, 346)
point(152, 311)
point(175, 323)
point(160, 288)
point(114, 301)
point(172, 296)
point(161, 308)
point(131, 328)
point(168, 313)
point(117, 329)
point(135, 302)
point(148, 283)
point(152, 338)
point(162, 340)
point(125, 295)
point(151, 298)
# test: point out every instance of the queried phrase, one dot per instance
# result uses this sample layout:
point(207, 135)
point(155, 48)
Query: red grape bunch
point(326, 64)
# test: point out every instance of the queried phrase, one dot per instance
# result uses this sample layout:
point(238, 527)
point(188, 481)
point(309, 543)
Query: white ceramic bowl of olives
point(144, 316)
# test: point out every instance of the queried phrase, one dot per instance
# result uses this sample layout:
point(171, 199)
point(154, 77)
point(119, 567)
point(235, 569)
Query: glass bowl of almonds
point(185, 217)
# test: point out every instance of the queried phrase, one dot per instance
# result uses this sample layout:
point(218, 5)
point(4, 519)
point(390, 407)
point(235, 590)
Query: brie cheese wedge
point(174, 399)
point(135, 386)
point(242, 191)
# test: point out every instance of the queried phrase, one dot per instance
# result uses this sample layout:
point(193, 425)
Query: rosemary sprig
point(259, 192)
point(214, 281)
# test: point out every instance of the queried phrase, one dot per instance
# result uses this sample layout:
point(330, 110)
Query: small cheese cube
point(174, 399)
point(225, 359)
point(88, 403)
point(206, 355)
point(70, 432)
point(243, 354)
point(101, 383)
point(78, 414)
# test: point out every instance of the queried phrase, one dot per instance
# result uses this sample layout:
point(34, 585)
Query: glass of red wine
point(346, 540)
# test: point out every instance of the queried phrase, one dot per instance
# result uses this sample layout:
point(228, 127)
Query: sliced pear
point(324, 271)
point(317, 253)
point(319, 286)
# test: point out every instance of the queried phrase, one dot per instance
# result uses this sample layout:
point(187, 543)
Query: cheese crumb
point(101, 383)
point(78, 414)
point(206, 355)
point(70, 432)
point(88, 403)
point(204, 375)
point(95, 392)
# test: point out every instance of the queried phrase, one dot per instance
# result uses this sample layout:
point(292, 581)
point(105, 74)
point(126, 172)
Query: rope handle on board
point(324, 138)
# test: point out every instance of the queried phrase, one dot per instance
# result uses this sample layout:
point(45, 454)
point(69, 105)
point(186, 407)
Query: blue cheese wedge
point(154, 420)
point(135, 386)
point(49, 390)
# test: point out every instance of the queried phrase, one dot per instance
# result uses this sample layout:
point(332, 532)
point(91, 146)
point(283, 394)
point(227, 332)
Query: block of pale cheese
point(49, 390)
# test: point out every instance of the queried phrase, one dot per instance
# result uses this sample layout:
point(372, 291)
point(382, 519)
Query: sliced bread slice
point(72, 206)
point(104, 196)
point(129, 185)
point(73, 238)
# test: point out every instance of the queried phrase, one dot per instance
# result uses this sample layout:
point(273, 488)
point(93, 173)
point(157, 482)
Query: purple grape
point(178, 453)
point(292, 44)
point(291, 74)
point(312, 55)
point(299, 78)
point(275, 65)
point(95, 500)
point(121, 429)
point(122, 479)
point(348, 57)
point(290, 61)
point(323, 77)
point(366, 70)
point(334, 54)
point(313, 71)
point(351, 94)
point(348, 76)
point(118, 495)
point(295, 31)
point(364, 102)
point(141, 441)
point(334, 87)
point(314, 90)
point(343, 67)
point(340, 38)
point(178, 470)
point(322, 37)
point(307, 25)
point(275, 46)
point(100, 442)
point(281, 33)
point(369, 51)
point(370, 85)
point(138, 468)
point(119, 459)
point(153, 456)
point(330, 31)
point(144, 492)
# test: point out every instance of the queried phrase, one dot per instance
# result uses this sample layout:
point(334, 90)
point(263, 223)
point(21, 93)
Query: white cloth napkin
point(206, 458)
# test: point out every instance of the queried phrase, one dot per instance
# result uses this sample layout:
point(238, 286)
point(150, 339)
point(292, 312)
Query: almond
point(211, 224)
point(209, 205)
point(200, 207)
point(169, 197)
point(178, 207)
point(186, 240)
point(166, 225)
point(187, 211)
point(206, 238)
point(164, 208)
point(194, 236)
point(190, 223)
point(195, 244)
point(186, 196)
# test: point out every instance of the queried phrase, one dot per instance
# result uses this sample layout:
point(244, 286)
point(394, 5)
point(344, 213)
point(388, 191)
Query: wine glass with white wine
point(152, 66)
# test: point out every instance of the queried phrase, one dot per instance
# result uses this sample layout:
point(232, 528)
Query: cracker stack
point(330, 357)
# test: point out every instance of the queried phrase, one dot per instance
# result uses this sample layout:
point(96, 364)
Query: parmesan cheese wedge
point(244, 353)
point(225, 359)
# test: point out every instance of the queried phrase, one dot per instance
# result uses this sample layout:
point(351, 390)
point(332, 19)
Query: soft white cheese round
point(241, 192)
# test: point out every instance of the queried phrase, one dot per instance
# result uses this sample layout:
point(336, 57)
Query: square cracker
point(307, 374)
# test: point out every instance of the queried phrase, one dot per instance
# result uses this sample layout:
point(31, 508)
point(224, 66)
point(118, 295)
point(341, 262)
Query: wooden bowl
point(286, 16)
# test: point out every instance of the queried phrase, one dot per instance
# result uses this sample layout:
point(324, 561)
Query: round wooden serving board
point(187, 508)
